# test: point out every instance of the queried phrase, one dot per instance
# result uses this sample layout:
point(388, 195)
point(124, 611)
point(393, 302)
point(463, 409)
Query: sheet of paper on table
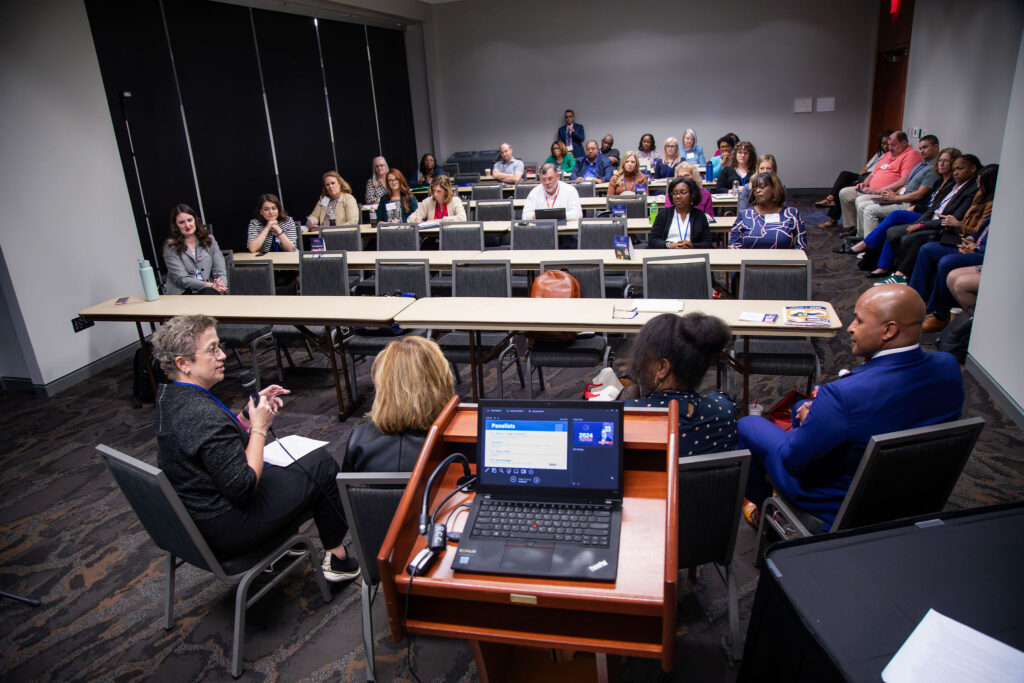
point(298, 446)
point(942, 649)
point(658, 305)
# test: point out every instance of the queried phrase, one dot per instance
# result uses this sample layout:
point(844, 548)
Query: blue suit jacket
point(603, 168)
point(578, 138)
point(813, 464)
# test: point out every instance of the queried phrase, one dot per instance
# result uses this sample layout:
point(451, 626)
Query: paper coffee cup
point(755, 409)
point(954, 312)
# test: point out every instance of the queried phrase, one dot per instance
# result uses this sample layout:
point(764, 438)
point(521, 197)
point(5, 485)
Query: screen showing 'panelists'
point(550, 446)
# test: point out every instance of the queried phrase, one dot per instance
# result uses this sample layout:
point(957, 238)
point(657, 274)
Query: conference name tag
point(324, 201)
point(391, 206)
point(772, 218)
point(691, 155)
point(885, 166)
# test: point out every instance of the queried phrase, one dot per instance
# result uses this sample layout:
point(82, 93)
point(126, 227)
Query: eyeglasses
point(213, 349)
point(677, 193)
point(393, 180)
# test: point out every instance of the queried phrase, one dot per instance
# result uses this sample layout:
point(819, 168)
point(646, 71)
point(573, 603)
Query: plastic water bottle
point(709, 170)
point(735, 188)
point(654, 210)
point(148, 280)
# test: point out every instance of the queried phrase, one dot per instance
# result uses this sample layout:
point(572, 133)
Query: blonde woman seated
point(413, 382)
point(441, 205)
point(628, 179)
point(337, 206)
point(687, 170)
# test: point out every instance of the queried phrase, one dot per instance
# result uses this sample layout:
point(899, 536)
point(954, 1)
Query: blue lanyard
point(204, 389)
point(199, 272)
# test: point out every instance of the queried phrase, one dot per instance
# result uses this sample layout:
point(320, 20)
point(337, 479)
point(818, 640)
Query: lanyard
point(217, 400)
point(440, 210)
point(683, 229)
point(195, 259)
point(553, 199)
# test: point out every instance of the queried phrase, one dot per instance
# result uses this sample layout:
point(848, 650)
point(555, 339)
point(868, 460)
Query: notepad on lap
point(298, 446)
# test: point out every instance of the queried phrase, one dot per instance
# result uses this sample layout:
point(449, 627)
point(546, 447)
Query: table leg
point(146, 356)
point(343, 410)
point(473, 360)
point(746, 376)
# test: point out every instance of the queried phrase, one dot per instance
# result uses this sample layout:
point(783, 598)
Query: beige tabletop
point(602, 202)
point(527, 314)
point(285, 310)
point(720, 259)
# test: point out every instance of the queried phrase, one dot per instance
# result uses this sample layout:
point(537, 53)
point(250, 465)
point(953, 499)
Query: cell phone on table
point(122, 300)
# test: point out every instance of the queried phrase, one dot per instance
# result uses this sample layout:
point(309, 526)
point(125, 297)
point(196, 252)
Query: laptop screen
point(563, 448)
point(557, 214)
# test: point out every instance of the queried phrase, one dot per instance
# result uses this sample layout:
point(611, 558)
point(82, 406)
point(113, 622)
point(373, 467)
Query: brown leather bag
point(554, 284)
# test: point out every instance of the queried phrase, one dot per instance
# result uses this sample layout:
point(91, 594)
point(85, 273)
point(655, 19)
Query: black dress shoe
point(848, 232)
point(843, 248)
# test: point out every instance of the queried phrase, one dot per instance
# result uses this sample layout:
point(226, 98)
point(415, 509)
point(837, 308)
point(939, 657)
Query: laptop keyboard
point(582, 524)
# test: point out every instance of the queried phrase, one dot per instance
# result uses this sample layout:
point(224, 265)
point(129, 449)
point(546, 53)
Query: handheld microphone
point(249, 385)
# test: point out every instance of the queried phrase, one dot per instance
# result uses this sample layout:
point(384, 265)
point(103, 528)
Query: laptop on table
point(549, 494)
point(548, 214)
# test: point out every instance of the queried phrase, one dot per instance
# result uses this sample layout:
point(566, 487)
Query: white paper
point(825, 104)
point(658, 305)
point(803, 105)
point(942, 650)
point(750, 317)
point(298, 446)
point(429, 224)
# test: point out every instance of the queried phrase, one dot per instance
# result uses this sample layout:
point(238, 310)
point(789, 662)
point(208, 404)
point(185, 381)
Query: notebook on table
point(547, 214)
point(549, 493)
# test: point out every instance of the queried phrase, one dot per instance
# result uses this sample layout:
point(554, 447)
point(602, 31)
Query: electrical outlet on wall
point(915, 133)
point(79, 323)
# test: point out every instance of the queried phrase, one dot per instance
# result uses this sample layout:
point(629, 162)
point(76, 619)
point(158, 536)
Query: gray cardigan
point(181, 268)
point(201, 448)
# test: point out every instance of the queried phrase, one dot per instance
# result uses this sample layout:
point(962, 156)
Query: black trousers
point(284, 498)
point(905, 245)
point(844, 179)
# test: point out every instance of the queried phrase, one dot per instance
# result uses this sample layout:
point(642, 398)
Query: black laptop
point(548, 214)
point(549, 497)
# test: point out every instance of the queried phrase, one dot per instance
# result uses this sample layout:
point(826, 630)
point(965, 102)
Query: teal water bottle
point(148, 280)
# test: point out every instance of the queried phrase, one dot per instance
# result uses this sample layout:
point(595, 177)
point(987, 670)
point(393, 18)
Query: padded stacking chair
point(587, 189)
point(682, 276)
point(535, 234)
point(468, 236)
point(168, 523)
point(370, 500)
point(398, 237)
point(599, 233)
point(463, 178)
point(587, 350)
point(248, 279)
point(486, 191)
point(395, 277)
point(481, 278)
point(523, 189)
point(451, 169)
point(902, 474)
point(322, 273)
point(636, 205)
point(494, 210)
point(785, 280)
point(710, 503)
point(345, 238)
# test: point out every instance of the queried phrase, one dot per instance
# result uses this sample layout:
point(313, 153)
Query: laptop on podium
point(549, 494)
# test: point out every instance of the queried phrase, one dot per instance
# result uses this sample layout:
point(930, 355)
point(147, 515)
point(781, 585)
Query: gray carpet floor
point(68, 538)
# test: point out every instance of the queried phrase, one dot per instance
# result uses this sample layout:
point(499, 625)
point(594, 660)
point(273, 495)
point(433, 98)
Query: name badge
point(391, 206)
point(884, 166)
point(691, 155)
point(772, 218)
point(324, 201)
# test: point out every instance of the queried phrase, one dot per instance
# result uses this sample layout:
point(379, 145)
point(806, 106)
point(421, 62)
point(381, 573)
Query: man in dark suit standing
point(572, 134)
point(898, 386)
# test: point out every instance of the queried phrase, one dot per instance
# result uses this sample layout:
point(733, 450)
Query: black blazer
point(700, 231)
point(368, 450)
point(957, 206)
point(726, 177)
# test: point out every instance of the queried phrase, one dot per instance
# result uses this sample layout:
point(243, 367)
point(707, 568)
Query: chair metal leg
point(241, 605)
point(277, 359)
point(366, 600)
point(169, 598)
point(455, 371)
point(540, 378)
point(315, 560)
point(529, 373)
point(734, 612)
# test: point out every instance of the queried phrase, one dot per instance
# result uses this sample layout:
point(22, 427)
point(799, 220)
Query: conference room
point(214, 105)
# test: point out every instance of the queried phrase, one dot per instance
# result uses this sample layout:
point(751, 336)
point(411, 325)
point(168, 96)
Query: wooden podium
point(634, 615)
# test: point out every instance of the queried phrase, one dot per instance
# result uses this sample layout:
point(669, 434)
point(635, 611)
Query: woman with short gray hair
point(213, 457)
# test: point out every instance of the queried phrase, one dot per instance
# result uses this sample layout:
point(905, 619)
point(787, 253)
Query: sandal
point(824, 203)
point(830, 223)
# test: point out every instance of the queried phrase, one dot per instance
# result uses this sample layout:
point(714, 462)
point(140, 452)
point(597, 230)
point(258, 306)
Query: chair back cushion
point(677, 278)
point(710, 495)
point(251, 278)
point(324, 273)
point(398, 238)
point(342, 238)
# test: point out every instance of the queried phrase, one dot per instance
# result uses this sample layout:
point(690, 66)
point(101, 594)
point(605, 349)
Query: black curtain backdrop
point(298, 110)
point(394, 103)
point(219, 77)
point(132, 52)
point(220, 88)
point(348, 85)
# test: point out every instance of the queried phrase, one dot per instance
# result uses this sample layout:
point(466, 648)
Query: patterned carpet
point(69, 539)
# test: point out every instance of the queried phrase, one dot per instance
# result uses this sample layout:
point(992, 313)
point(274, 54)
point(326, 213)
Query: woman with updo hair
point(413, 381)
point(669, 358)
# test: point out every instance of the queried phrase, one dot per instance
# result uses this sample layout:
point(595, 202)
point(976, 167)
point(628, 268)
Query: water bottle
point(148, 280)
point(709, 171)
point(735, 188)
point(654, 210)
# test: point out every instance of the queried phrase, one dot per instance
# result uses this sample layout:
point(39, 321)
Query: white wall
point(509, 69)
point(74, 241)
point(962, 56)
point(995, 339)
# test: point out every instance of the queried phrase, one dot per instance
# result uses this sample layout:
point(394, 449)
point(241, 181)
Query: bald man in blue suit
point(898, 387)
